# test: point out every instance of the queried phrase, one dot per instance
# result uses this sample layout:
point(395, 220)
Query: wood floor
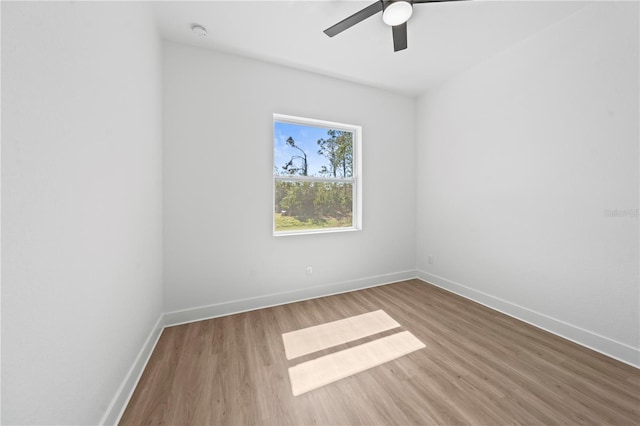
point(479, 367)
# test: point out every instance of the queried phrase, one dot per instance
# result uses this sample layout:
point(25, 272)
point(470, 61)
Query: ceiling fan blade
point(354, 19)
point(399, 37)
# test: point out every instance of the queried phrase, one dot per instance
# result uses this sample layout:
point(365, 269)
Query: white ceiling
point(443, 38)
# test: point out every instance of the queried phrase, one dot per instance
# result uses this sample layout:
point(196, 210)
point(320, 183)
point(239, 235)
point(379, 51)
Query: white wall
point(82, 206)
point(218, 150)
point(518, 159)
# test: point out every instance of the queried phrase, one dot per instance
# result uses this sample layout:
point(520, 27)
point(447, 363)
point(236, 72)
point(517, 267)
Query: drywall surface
point(527, 184)
point(218, 180)
point(82, 204)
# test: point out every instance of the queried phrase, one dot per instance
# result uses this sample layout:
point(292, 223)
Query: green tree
point(338, 149)
point(336, 200)
point(291, 167)
point(298, 200)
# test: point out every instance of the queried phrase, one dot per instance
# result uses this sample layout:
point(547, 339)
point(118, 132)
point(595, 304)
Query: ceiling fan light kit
point(395, 13)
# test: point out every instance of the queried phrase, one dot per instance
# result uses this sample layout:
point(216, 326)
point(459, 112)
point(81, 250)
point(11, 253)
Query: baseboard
point(602, 344)
point(275, 299)
point(128, 385)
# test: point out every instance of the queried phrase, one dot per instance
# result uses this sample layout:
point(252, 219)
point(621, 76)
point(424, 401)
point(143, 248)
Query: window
point(316, 176)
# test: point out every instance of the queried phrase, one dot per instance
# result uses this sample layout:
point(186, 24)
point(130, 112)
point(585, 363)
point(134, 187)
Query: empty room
point(320, 212)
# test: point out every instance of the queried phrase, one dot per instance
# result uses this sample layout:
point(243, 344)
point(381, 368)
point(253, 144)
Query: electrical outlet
point(430, 260)
point(309, 270)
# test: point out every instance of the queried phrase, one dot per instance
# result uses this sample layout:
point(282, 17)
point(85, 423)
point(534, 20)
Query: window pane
point(304, 150)
point(312, 205)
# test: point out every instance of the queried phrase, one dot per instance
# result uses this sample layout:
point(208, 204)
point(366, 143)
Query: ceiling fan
point(395, 13)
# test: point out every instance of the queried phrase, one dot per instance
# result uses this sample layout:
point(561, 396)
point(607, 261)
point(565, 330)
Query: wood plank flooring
point(479, 367)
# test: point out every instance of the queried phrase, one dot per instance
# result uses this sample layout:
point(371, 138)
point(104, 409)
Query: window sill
point(314, 231)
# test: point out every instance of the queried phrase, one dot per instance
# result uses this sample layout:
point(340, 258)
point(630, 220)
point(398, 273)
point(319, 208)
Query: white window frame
point(355, 180)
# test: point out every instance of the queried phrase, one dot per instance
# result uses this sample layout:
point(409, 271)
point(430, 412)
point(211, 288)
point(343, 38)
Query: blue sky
point(306, 137)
